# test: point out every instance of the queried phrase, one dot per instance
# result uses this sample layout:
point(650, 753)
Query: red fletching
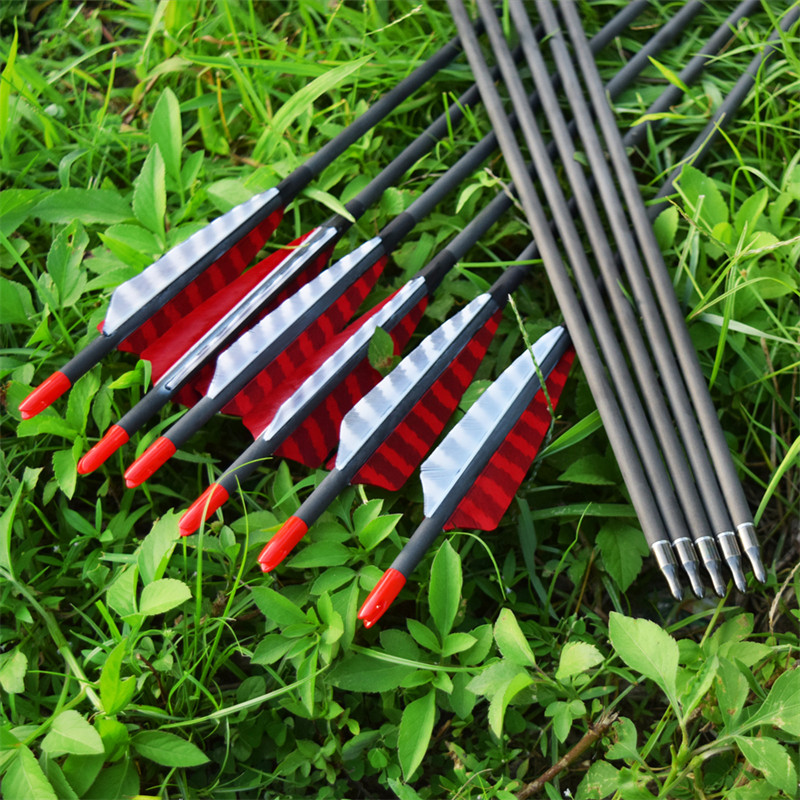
point(317, 435)
point(261, 398)
point(219, 275)
point(44, 394)
point(202, 508)
point(148, 462)
point(167, 349)
point(401, 453)
point(282, 543)
point(381, 597)
point(113, 439)
point(490, 496)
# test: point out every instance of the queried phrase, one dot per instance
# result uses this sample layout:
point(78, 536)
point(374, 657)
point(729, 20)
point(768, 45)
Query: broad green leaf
point(782, 706)
point(594, 470)
point(731, 689)
point(13, 667)
point(101, 206)
point(361, 673)
point(772, 759)
point(416, 727)
point(64, 263)
point(622, 547)
point(511, 641)
point(444, 590)
point(600, 781)
point(750, 212)
point(6, 529)
point(150, 193)
point(577, 657)
point(625, 745)
point(114, 735)
point(168, 749)
point(271, 648)
point(65, 469)
point(666, 226)
point(163, 595)
point(647, 649)
point(121, 595)
point(57, 779)
point(115, 693)
point(381, 353)
point(157, 547)
point(71, 733)
point(276, 607)
point(702, 197)
point(81, 771)
point(563, 715)
point(457, 643)
point(16, 305)
point(321, 554)
point(501, 698)
point(25, 779)
point(16, 204)
point(80, 400)
point(118, 780)
point(165, 132)
point(696, 686)
point(376, 530)
point(422, 634)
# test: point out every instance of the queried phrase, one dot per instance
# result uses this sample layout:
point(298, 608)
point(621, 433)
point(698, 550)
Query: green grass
point(132, 663)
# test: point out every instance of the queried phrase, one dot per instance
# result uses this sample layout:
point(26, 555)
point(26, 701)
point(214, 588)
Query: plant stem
point(595, 732)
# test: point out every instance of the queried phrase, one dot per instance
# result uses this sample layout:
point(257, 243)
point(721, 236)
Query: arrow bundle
point(277, 345)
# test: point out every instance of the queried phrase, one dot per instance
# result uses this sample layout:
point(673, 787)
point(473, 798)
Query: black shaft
point(698, 389)
point(627, 457)
point(615, 360)
point(659, 414)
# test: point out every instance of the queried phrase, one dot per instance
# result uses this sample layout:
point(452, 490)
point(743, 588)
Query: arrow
point(472, 476)
point(373, 448)
point(211, 257)
point(385, 435)
point(215, 323)
point(219, 492)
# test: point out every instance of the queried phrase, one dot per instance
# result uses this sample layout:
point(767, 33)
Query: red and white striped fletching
point(308, 305)
point(383, 408)
point(345, 355)
point(464, 455)
point(129, 297)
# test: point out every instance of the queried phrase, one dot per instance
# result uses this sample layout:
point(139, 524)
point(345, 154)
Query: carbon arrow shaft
point(627, 457)
point(676, 325)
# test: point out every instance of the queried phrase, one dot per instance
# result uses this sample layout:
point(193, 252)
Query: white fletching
point(467, 441)
point(413, 375)
point(310, 301)
point(318, 384)
point(130, 296)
